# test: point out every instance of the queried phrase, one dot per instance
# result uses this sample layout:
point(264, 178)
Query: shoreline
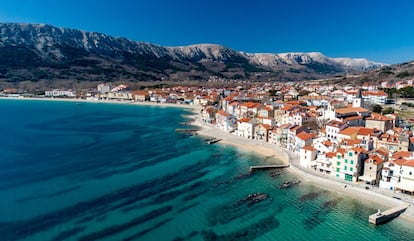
point(74, 100)
point(350, 189)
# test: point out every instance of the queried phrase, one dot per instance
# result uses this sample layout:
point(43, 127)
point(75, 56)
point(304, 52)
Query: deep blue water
point(122, 172)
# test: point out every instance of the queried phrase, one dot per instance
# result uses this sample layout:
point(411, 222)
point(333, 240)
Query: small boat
point(288, 184)
point(254, 198)
point(276, 173)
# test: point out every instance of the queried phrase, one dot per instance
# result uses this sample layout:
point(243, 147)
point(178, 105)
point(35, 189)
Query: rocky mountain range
point(38, 52)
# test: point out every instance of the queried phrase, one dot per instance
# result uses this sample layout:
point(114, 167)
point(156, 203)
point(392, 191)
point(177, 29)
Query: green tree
point(387, 110)
point(376, 108)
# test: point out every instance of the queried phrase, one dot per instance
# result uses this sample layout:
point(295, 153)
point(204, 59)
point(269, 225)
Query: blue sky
point(380, 30)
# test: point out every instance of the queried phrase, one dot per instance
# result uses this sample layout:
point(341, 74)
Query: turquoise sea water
point(121, 172)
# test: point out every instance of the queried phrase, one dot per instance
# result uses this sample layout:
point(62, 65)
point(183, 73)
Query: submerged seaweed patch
point(249, 233)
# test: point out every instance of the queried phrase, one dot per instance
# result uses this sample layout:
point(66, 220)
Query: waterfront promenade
point(374, 196)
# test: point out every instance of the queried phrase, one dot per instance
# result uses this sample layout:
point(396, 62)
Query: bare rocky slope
point(38, 52)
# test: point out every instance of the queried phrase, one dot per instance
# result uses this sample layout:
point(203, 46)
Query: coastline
point(349, 189)
point(147, 103)
point(353, 190)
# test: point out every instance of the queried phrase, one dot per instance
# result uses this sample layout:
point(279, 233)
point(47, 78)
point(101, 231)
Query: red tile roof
point(350, 110)
point(309, 148)
point(304, 136)
point(245, 119)
point(409, 163)
point(401, 154)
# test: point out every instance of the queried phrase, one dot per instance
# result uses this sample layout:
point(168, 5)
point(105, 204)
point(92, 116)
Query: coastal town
point(351, 134)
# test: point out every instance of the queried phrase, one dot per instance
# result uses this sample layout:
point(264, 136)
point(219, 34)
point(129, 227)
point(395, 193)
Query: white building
point(307, 156)
point(406, 183)
point(60, 93)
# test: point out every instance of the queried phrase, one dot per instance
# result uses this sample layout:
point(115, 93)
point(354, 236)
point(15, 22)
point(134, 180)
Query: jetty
point(186, 130)
point(214, 140)
point(383, 217)
point(266, 167)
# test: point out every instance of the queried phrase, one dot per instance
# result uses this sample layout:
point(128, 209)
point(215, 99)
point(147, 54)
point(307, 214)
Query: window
point(351, 169)
point(345, 167)
point(338, 163)
point(346, 160)
point(352, 162)
point(339, 156)
point(350, 153)
point(337, 169)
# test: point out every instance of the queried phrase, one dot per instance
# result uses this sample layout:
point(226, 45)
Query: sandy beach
point(374, 197)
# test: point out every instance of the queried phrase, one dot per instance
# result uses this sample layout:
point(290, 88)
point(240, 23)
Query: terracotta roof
point(374, 93)
point(335, 123)
point(376, 159)
point(350, 142)
point(327, 143)
point(365, 131)
point(330, 154)
point(309, 148)
point(304, 136)
point(349, 131)
point(223, 113)
point(359, 149)
point(250, 104)
point(401, 154)
point(139, 92)
point(378, 117)
point(409, 163)
point(382, 151)
point(399, 162)
point(245, 119)
point(350, 110)
point(234, 103)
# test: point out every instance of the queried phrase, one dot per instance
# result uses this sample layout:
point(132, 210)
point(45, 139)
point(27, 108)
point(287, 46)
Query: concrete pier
point(265, 167)
point(388, 215)
point(214, 140)
point(186, 130)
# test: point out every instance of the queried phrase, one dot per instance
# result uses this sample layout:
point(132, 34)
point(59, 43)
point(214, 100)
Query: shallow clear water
point(121, 172)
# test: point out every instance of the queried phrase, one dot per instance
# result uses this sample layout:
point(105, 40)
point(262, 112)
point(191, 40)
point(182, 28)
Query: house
point(233, 108)
point(225, 121)
point(208, 115)
point(349, 143)
point(249, 109)
point(394, 142)
point(333, 127)
point(245, 128)
point(348, 133)
point(60, 93)
point(372, 169)
point(282, 134)
point(379, 122)
point(140, 96)
point(406, 184)
point(323, 145)
point(302, 139)
point(292, 139)
point(324, 162)
point(261, 132)
point(378, 97)
point(353, 116)
point(307, 156)
point(348, 163)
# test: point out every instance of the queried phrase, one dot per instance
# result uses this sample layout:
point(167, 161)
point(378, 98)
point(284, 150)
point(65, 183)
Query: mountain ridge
point(38, 52)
